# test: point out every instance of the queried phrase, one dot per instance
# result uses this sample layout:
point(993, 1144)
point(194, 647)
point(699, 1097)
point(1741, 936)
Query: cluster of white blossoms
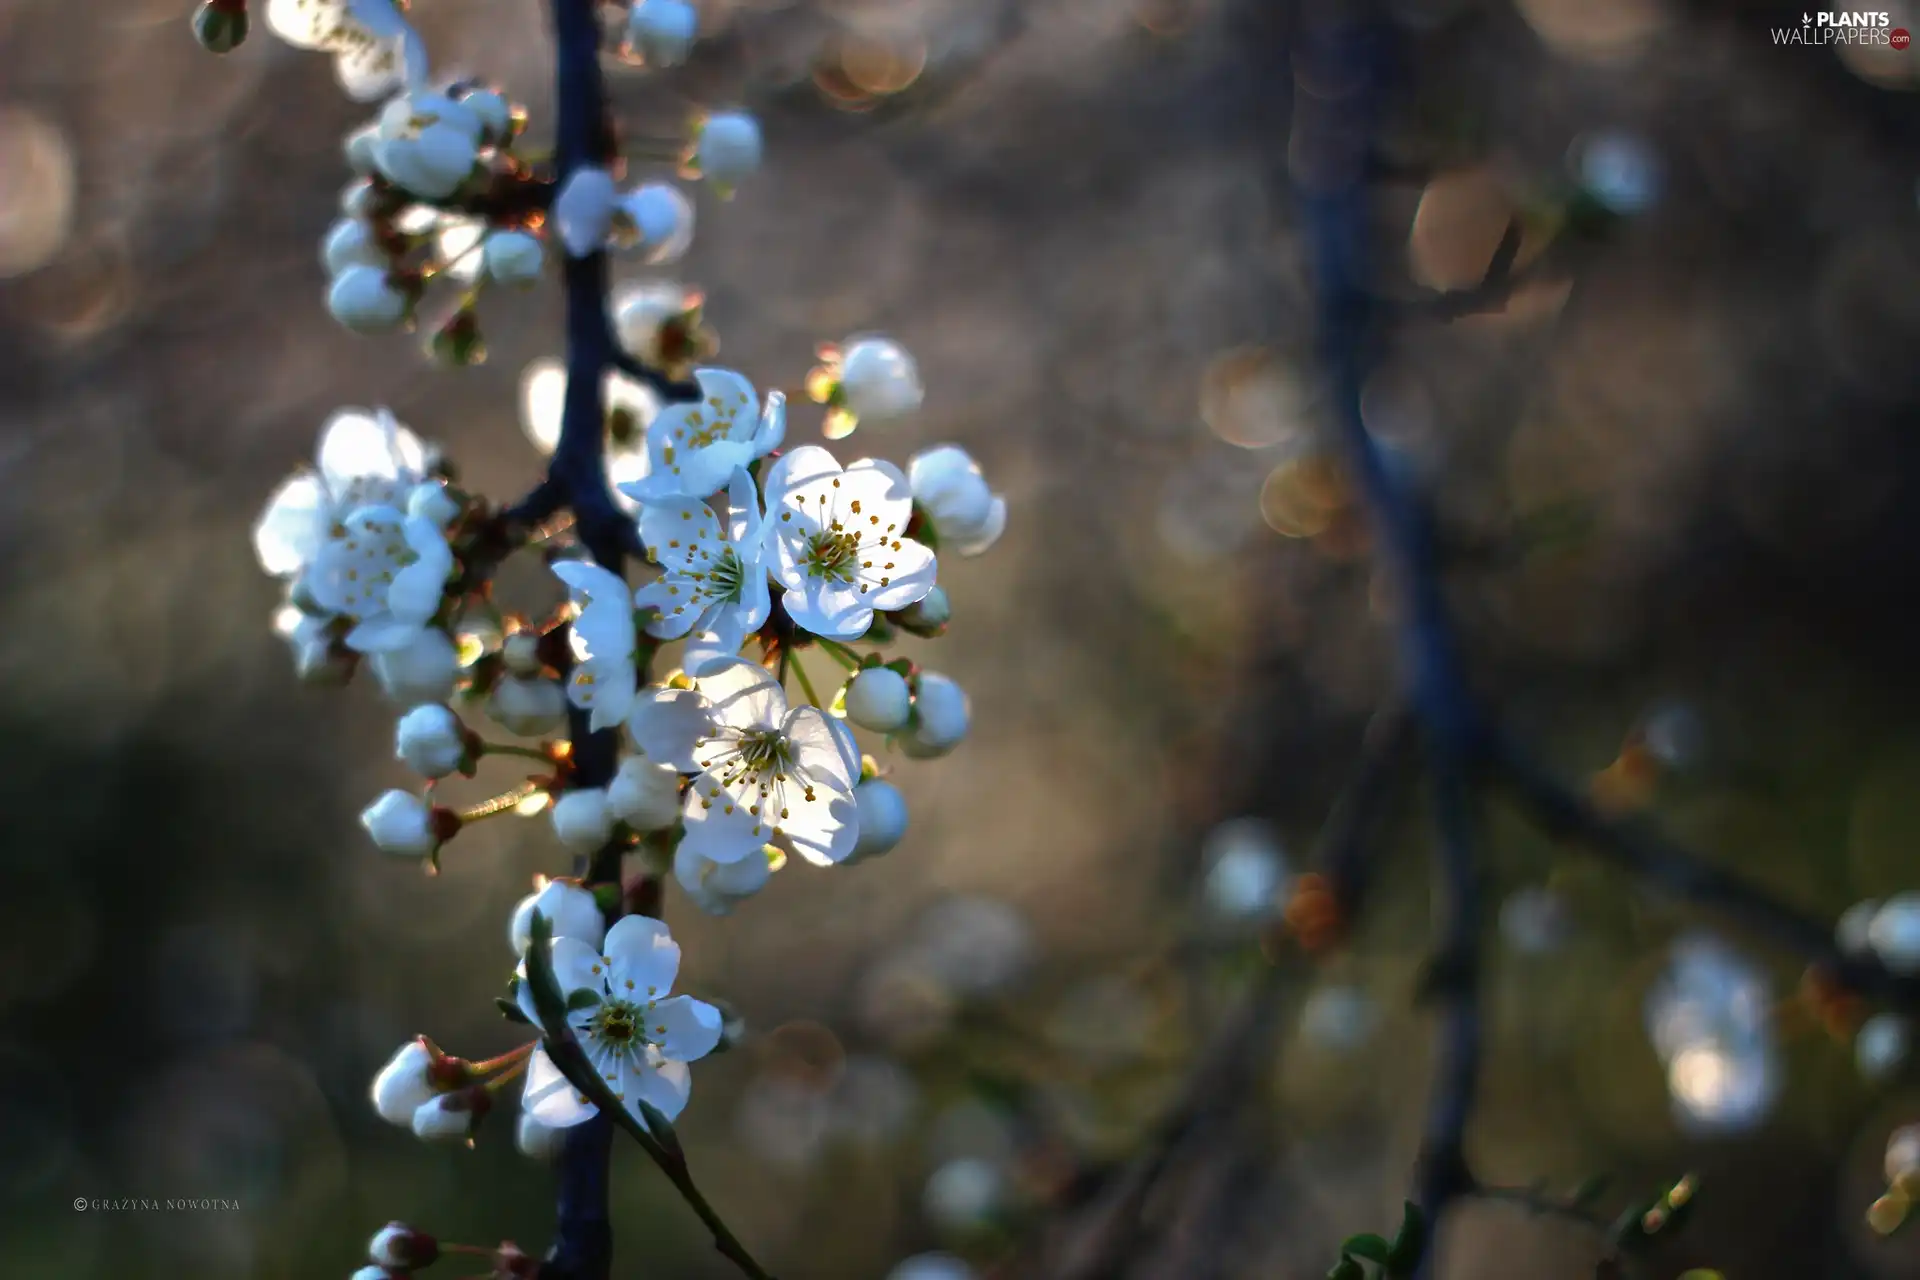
point(761, 558)
point(1709, 1017)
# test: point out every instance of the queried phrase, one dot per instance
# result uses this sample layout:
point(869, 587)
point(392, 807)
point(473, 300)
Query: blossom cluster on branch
point(715, 754)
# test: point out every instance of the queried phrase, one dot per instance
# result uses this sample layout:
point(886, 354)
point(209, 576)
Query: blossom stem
point(839, 653)
point(505, 802)
point(806, 685)
point(507, 1059)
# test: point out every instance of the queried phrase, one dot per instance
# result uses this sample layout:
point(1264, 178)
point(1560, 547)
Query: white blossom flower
point(583, 211)
point(728, 149)
point(712, 578)
point(387, 572)
point(766, 774)
point(512, 258)
point(1895, 933)
point(629, 407)
point(401, 1248)
point(452, 1117)
point(401, 822)
point(428, 144)
point(537, 1141)
point(883, 819)
point(870, 379)
point(365, 458)
point(878, 698)
point(645, 794)
point(948, 486)
point(694, 447)
point(404, 1083)
point(605, 643)
point(660, 33)
point(568, 905)
point(840, 548)
point(941, 715)
point(634, 1034)
point(431, 741)
point(717, 887)
point(528, 706)
point(493, 110)
point(654, 220)
point(366, 300)
point(374, 50)
point(351, 242)
point(581, 818)
point(425, 669)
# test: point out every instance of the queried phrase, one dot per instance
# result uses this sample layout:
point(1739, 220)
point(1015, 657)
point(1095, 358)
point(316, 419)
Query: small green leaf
point(1369, 1246)
point(661, 1127)
point(1411, 1244)
point(584, 998)
point(511, 1011)
point(1346, 1269)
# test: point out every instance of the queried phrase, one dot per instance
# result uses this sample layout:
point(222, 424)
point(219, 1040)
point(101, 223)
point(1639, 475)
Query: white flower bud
point(358, 198)
point(430, 501)
point(716, 887)
point(425, 670)
point(927, 616)
point(948, 486)
point(493, 110)
point(877, 698)
point(569, 907)
point(537, 1141)
point(527, 706)
point(583, 211)
point(401, 822)
point(512, 258)
point(660, 33)
point(428, 144)
point(431, 741)
point(728, 149)
point(1895, 933)
point(645, 794)
point(452, 1117)
point(878, 380)
point(351, 243)
point(404, 1084)
point(365, 300)
point(1881, 1045)
point(883, 818)
point(521, 652)
point(655, 218)
point(360, 147)
point(581, 818)
point(640, 317)
point(401, 1248)
point(940, 717)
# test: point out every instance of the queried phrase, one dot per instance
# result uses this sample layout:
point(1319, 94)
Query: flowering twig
point(659, 1142)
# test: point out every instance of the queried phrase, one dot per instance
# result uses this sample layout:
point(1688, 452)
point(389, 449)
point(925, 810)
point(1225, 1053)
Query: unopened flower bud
point(494, 111)
point(512, 258)
point(365, 299)
point(583, 211)
point(527, 706)
point(425, 670)
point(402, 823)
point(405, 1083)
point(452, 1117)
point(359, 147)
point(660, 33)
point(883, 818)
point(432, 742)
point(949, 488)
point(220, 25)
point(401, 1248)
point(728, 150)
point(521, 652)
point(656, 219)
point(568, 906)
point(351, 243)
point(877, 698)
point(927, 616)
point(581, 818)
point(432, 501)
point(879, 381)
point(940, 717)
point(645, 794)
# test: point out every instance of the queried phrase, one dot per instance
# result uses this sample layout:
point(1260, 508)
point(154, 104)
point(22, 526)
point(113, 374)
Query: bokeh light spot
point(36, 190)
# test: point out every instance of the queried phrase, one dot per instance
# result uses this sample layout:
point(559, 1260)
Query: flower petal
point(591, 580)
point(667, 723)
point(819, 749)
point(822, 830)
point(685, 1029)
point(543, 395)
point(744, 695)
point(909, 569)
point(827, 608)
point(578, 967)
point(717, 828)
point(682, 534)
point(548, 1097)
point(664, 1086)
point(644, 958)
point(382, 633)
point(291, 531)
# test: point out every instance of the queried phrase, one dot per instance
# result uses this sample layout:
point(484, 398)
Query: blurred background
point(1677, 470)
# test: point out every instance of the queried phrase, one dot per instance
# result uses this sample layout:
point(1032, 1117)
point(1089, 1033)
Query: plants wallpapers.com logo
point(1846, 26)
